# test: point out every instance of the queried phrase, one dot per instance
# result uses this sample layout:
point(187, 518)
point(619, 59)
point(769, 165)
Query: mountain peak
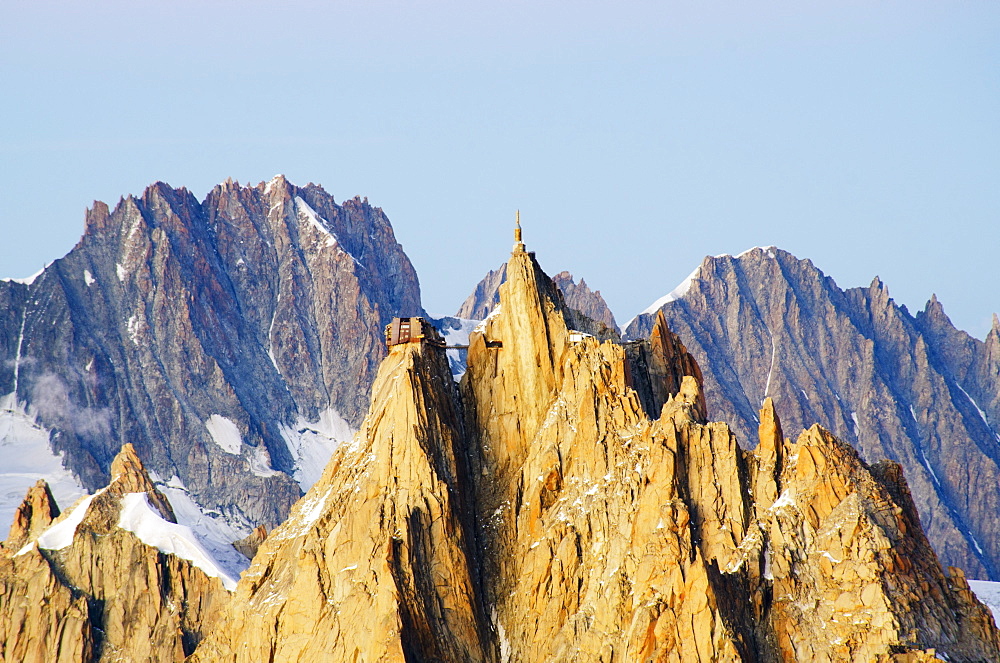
point(35, 514)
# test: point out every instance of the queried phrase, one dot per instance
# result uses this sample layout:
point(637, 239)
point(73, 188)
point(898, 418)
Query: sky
point(635, 137)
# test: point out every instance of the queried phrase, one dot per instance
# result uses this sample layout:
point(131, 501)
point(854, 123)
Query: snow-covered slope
point(25, 457)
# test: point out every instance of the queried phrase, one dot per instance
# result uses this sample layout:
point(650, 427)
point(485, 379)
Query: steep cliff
point(911, 389)
point(376, 562)
point(232, 340)
point(542, 513)
point(111, 579)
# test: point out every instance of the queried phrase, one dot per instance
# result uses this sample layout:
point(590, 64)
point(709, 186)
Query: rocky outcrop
point(111, 579)
point(485, 297)
point(233, 340)
point(543, 514)
point(911, 389)
point(33, 517)
point(579, 296)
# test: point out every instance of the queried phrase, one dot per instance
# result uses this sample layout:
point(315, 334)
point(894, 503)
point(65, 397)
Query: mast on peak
point(518, 244)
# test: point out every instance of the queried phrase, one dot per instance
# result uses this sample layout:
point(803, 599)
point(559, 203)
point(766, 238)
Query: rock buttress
point(374, 562)
point(584, 530)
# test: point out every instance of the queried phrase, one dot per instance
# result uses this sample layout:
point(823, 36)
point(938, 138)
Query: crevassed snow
point(312, 443)
point(27, 457)
point(138, 517)
point(989, 593)
point(674, 294)
point(317, 222)
point(88, 278)
point(260, 462)
point(60, 534)
point(225, 433)
point(212, 529)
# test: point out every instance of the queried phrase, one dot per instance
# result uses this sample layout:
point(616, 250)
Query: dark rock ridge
point(912, 389)
point(578, 296)
point(229, 339)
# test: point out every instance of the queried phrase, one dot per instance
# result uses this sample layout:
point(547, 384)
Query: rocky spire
point(35, 514)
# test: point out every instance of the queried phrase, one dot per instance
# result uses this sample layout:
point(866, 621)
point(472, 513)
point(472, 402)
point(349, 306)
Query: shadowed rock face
point(912, 389)
point(259, 309)
point(539, 513)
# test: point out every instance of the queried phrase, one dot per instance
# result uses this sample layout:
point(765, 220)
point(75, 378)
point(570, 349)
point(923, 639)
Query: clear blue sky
point(635, 137)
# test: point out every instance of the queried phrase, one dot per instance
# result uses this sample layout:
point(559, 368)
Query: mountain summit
point(233, 341)
point(910, 388)
point(548, 509)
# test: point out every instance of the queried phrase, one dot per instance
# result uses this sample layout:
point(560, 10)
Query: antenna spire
point(518, 244)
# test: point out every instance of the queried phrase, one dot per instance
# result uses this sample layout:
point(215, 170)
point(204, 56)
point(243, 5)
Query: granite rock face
point(578, 296)
point(231, 340)
point(541, 513)
point(911, 389)
point(87, 586)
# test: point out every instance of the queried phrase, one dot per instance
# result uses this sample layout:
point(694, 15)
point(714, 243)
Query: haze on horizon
point(635, 138)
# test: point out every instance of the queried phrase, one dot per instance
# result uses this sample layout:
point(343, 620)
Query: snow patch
point(787, 498)
point(481, 327)
point(260, 462)
point(121, 272)
point(138, 517)
point(60, 534)
point(315, 220)
point(982, 415)
point(768, 250)
point(674, 294)
point(28, 280)
point(134, 326)
point(88, 278)
point(305, 513)
point(930, 469)
point(225, 433)
point(770, 371)
point(211, 528)
point(312, 443)
point(976, 544)
point(854, 417)
point(28, 457)
point(271, 183)
point(989, 594)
